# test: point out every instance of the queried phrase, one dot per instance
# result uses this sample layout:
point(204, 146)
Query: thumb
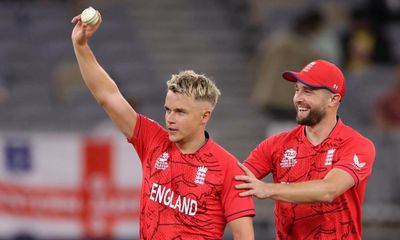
point(79, 34)
point(246, 170)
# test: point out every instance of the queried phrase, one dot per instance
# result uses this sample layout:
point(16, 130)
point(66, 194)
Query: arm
point(242, 228)
point(335, 183)
point(102, 87)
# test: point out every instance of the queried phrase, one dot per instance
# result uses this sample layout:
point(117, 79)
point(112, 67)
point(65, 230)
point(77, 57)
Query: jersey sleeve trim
point(351, 172)
point(251, 212)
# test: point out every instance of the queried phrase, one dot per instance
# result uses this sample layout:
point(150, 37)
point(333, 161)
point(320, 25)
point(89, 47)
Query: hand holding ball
point(89, 16)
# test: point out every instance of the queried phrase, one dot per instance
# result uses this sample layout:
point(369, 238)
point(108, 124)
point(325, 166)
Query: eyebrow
point(311, 88)
point(308, 87)
point(180, 110)
point(176, 109)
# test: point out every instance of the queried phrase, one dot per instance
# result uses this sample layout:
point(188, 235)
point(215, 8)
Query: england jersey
point(291, 158)
point(185, 196)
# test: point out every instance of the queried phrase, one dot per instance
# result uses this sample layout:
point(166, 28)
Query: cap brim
point(290, 76)
point(294, 77)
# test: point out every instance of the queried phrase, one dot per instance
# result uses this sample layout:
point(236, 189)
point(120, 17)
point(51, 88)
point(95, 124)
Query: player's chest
point(294, 164)
point(184, 173)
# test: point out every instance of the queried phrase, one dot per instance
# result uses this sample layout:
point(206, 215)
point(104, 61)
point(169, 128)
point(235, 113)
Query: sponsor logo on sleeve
point(357, 164)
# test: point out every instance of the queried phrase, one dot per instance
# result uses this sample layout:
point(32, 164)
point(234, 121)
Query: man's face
point(310, 104)
point(184, 117)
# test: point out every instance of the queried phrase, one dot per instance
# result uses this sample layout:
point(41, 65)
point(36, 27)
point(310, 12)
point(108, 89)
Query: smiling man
point(188, 180)
point(320, 168)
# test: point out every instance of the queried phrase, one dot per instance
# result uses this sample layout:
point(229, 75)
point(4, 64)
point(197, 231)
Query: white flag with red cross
point(68, 186)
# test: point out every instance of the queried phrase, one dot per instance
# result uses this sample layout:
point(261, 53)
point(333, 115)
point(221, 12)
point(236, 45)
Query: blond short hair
point(195, 85)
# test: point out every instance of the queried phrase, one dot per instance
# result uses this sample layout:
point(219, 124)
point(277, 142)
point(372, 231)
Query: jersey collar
point(202, 150)
point(332, 135)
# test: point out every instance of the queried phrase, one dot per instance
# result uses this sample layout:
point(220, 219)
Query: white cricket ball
point(89, 16)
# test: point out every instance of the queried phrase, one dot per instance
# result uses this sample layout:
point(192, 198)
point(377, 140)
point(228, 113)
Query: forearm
point(242, 228)
point(336, 182)
point(303, 192)
point(244, 236)
point(94, 76)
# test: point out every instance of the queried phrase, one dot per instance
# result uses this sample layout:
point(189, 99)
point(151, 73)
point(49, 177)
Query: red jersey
point(292, 158)
point(185, 196)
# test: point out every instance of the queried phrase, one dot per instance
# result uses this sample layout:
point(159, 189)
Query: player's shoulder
point(227, 163)
point(144, 119)
point(355, 138)
point(144, 122)
point(285, 137)
point(221, 153)
point(147, 128)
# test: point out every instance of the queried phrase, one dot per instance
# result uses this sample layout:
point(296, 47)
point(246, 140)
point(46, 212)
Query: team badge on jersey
point(329, 157)
point(162, 161)
point(200, 175)
point(289, 158)
point(357, 164)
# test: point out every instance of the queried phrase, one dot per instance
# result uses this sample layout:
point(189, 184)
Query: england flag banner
point(68, 186)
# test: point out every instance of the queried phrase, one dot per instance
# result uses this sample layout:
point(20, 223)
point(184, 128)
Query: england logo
point(329, 157)
point(201, 175)
point(289, 158)
point(162, 161)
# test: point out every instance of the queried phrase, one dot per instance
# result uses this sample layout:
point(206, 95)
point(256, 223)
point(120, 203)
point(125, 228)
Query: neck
point(192, 145)
point(318, 133)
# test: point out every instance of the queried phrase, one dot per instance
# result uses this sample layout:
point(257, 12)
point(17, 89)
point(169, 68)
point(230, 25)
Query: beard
point(313, 118)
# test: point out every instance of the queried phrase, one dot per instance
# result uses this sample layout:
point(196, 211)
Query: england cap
point(320, 74)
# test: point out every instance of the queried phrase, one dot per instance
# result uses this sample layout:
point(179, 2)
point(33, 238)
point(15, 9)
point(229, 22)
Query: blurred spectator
point(385, 17)
point(364, 42)
point(259, 14)
point(326, 41)
point(387, 112)
point(358, 42)
point(282, 50)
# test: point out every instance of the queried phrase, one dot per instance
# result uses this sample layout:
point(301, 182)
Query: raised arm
point(102, 87)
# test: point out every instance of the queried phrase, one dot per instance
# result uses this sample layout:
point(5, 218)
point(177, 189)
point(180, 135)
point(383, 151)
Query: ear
point(206, 116)
point(334, 100)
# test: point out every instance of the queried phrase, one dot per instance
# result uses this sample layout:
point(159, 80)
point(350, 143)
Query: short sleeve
point(357, 158)
point(147, 133)
point(235, 206)
point(260, 159)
